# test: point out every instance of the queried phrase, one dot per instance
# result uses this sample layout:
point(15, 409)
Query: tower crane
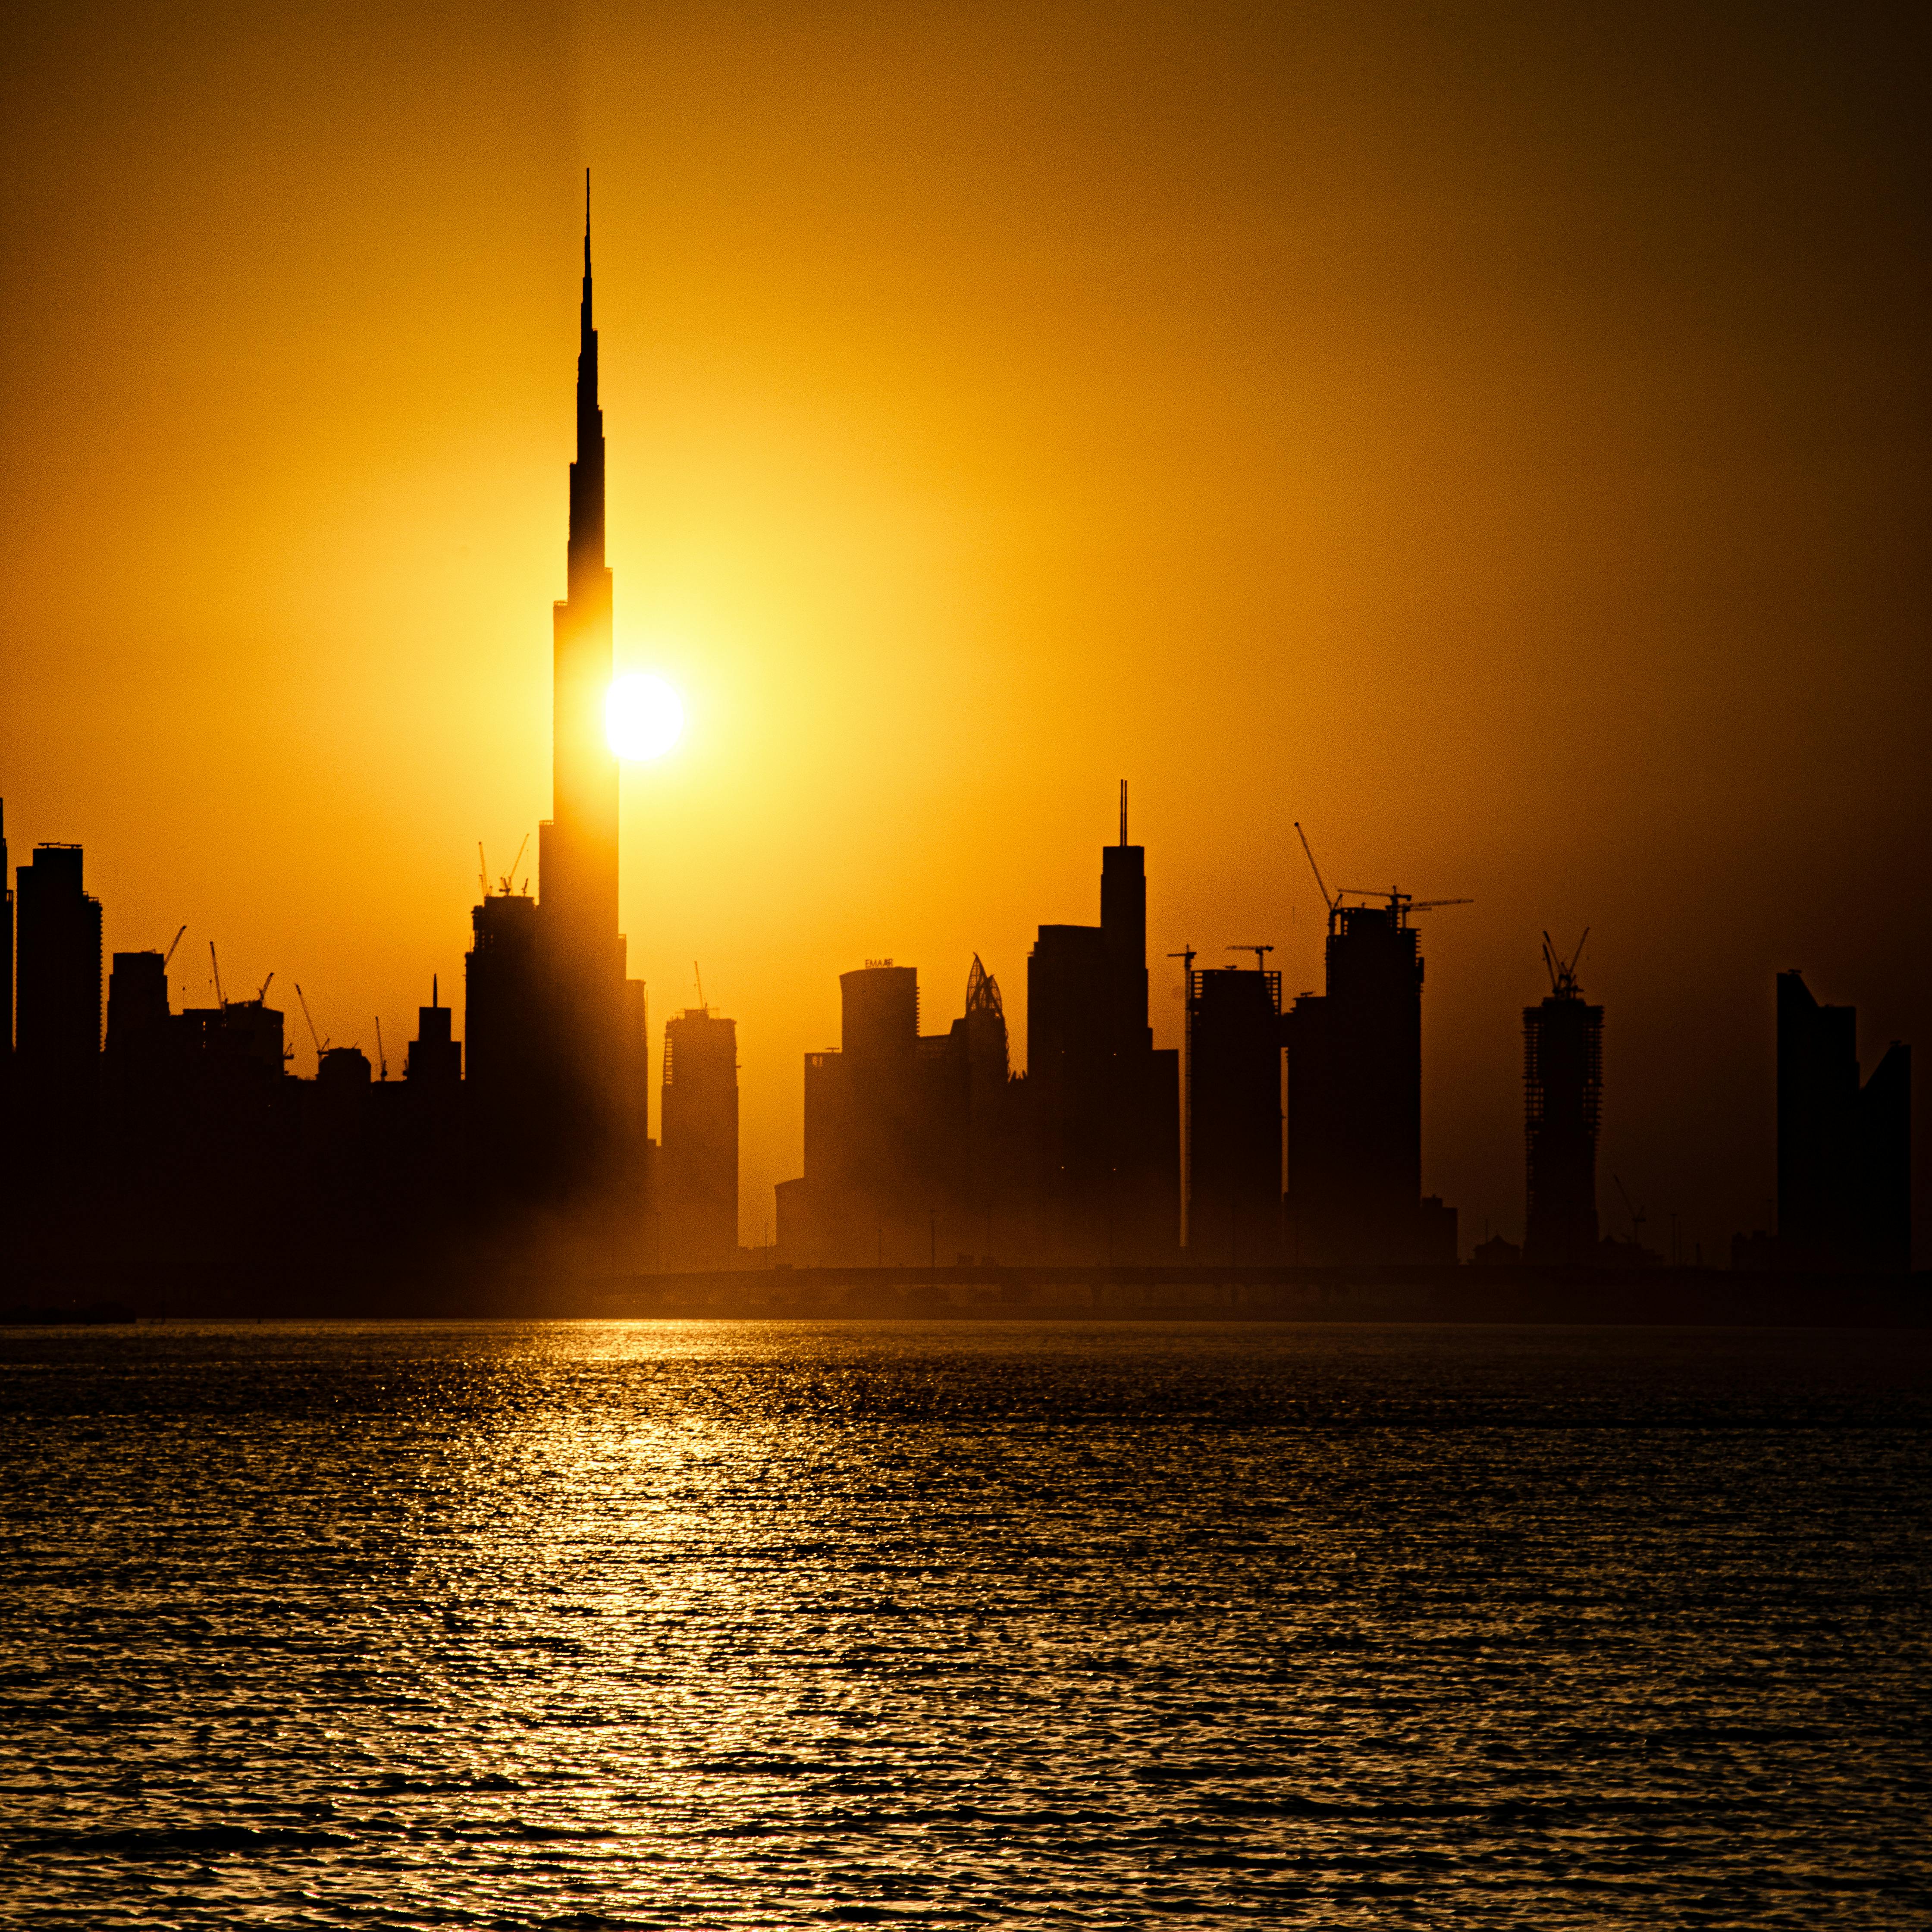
point(1562, 972)
point(1261, 953)
point(1331, 901)
point(172, 943)
point(321, 1045)
point(508, 880)
point(220, 1000)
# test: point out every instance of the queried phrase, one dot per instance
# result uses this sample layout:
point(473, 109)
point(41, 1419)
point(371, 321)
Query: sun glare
point(642, 717)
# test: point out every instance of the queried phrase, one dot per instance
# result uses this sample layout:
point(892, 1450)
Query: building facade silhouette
point(1102, 1104)
point(1234, 1116)
point(1354, 1101)
point(698, 1163)
point(555, 1031)
point(1563, 1091)
point(1844, 1149)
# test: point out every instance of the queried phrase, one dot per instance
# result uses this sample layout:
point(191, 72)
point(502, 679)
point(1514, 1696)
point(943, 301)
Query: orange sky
point(1495, 437)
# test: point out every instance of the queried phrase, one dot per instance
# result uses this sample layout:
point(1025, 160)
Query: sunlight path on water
point(707, 1623)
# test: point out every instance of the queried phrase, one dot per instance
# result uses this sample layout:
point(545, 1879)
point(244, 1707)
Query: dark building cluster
point(1279, 1134)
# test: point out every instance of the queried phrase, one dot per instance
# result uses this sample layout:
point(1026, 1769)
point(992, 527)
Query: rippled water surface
point(699, 1623)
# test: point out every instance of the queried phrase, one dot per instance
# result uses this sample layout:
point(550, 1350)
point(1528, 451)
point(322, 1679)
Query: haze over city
point(1496, 442)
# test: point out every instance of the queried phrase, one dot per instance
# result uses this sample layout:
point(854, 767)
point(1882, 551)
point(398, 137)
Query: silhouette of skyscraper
point(1844, 1152)
point(1103, 1104)
point(1234, 1116)
point(1563, 1088)
point(697, 1167)
point(908, 1139)
point(435, 1057)
point(6, 960)
point(555, 1031)
point(1354, 1101)
point(57, 1029)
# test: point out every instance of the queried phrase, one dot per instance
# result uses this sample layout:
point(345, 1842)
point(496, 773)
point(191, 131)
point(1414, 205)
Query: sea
point(777, 1624)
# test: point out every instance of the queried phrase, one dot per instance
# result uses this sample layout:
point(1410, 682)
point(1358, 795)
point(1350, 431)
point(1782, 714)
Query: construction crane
point(169, 954)
point(1261, 953)
point(1400, 903)
point(321, 1045)
point(1562, 972)
point(700, 978)
point(1186, 956)
point(1637, 1216)
point(508, 880)
point(1330, 900)
point(482, 869)
point(212, 961)
point(262, 991)
point(381, 1058)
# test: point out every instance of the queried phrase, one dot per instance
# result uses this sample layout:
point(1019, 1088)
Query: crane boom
point(219, 999)
point(310, 1018)
point(1321, 884)
point(172, 944)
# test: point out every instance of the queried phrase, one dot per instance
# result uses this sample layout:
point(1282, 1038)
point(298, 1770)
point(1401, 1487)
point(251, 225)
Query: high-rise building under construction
point(1354, 1100)
point(1563, 1091)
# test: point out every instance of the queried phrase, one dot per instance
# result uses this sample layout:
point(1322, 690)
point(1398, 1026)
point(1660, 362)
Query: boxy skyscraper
point(1354, 1100)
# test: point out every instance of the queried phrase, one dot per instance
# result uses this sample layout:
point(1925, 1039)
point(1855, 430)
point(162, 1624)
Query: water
point(664, 1624)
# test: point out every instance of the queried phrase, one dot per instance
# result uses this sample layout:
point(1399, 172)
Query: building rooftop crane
point(1328, 899)
point(381, 1058)
point(1563, 972)
point(321, 1045)
point(220, 1001)
point(172, 944)
point(1261, 953)
point(508, 881)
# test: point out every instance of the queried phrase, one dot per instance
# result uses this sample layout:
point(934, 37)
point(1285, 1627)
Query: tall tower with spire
point(555, 1031)
point(578, 859)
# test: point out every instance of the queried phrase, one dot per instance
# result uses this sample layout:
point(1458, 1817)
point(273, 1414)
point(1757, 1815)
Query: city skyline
point(298, 759)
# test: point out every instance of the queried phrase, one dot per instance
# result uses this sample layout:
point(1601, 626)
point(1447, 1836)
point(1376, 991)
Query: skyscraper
point(697, 1169)
point(1234, 1116)
point(1563, 1090)
point(1103, 1102)
point(1354, 1100)
point(57, 1029)
point(555, 1031)
point(1844, 1151)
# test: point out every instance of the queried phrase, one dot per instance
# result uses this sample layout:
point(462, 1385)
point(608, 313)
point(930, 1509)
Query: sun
point(642, 717)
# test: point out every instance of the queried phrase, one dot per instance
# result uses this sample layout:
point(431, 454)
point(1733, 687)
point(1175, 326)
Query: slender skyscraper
point(556, 1032)
point(578, 851)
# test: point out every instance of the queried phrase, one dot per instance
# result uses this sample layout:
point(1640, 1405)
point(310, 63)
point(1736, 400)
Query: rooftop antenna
point(432, 992)
point(1330, 900)
point(170, 952)
point(219, 999)
point(321, 1045)
point(381, 1058)
point(1261, 953)
point(1123, 812)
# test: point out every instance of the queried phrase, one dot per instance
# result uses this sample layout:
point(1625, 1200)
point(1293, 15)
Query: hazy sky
point(1496, 437)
